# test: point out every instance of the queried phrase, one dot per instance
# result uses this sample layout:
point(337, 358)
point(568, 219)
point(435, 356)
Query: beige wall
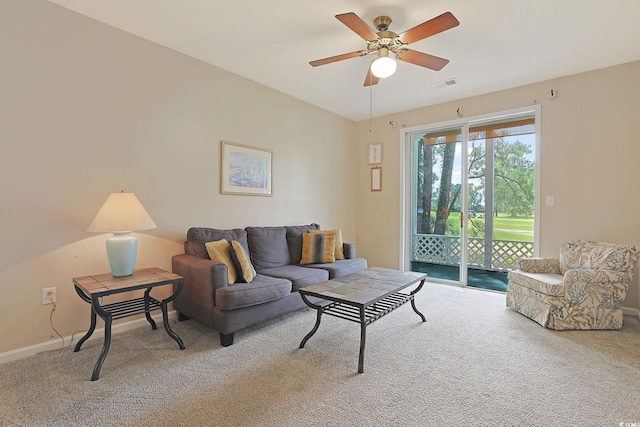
point(589, 162)
point(87, 110)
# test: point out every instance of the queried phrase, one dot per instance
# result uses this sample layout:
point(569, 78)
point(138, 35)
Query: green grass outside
point(504, 227)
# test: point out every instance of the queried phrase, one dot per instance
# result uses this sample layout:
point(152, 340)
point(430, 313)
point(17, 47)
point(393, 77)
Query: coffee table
point(362, 297)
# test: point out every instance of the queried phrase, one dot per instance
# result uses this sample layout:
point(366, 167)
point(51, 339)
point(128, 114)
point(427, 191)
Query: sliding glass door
point(501, 201)
point(437, 198)
point(470, 199)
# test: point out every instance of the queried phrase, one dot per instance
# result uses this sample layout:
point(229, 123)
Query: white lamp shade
point(120, 213)
point(383, 67)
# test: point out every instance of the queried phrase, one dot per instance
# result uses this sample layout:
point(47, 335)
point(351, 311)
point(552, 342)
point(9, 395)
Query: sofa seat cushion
point(298, 275)
point(548, 284)
point(342, 267)
point(268, 247)
point(261, 290)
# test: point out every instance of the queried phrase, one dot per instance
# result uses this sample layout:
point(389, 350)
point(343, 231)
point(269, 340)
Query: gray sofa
point(275, 253)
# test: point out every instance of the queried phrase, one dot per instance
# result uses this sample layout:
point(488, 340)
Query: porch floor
point(477, 278)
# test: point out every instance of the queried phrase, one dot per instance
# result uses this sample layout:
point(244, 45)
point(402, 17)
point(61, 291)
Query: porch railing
point(499, 255)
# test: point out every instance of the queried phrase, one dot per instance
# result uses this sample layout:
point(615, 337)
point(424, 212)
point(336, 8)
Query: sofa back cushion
point(268, 247)
point(597, 255)
point(198, 236)
point(294, 240)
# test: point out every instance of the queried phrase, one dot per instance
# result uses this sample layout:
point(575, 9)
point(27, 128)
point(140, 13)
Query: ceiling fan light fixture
point(383, 66)
point(383, 41)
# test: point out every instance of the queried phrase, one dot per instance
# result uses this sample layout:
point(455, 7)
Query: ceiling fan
point(384, 42)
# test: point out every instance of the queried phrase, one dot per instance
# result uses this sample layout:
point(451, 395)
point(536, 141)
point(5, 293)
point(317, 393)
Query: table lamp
point(121, 214)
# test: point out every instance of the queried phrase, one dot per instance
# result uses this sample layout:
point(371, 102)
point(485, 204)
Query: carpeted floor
point(473, 363)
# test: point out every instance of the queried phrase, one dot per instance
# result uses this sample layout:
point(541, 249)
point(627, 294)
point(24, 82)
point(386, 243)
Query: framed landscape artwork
point(245, 170)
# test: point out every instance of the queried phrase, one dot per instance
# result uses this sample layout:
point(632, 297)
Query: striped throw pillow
point(242, 262)
point(318, 248)
point(338, 233)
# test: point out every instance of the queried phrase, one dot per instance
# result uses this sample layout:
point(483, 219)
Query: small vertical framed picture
point(375, 154)
point(376, 179)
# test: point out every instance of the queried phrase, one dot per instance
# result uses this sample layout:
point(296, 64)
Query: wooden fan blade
point(337, 58)
point(422, 59)
point(370, 80)
point(358, 26)
point(429, 28)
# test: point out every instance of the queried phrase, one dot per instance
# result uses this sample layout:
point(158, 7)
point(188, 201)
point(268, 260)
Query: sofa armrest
point(596, 288)
point(349, 250)
point(200, 270)
point(201, 279)
point(540, 265)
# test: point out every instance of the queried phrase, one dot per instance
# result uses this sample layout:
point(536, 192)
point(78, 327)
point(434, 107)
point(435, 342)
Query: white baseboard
point(629, 311)
point(56, 344)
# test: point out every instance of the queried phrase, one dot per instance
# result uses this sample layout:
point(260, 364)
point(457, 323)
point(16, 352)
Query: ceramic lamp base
point(122, 249)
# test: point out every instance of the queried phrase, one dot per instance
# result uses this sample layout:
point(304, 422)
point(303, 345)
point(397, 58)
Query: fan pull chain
point(370, 109)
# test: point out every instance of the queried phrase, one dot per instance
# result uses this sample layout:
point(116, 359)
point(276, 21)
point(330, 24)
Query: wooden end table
point(92, 288)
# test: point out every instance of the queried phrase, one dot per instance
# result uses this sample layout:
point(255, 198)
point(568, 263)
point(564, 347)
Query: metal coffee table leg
point(363, 339)
point(413, 301)
point(318, 318)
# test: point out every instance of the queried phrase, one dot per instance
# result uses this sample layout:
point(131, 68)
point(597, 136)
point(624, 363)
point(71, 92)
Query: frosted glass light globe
point(383, 67)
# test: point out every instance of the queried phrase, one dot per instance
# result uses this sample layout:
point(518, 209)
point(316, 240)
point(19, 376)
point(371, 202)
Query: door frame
point(406, 180)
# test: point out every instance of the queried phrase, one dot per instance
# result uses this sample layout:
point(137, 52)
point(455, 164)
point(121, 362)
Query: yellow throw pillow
point(220, 251)
point(338, 236)
point(242, 262)
point(318, 248)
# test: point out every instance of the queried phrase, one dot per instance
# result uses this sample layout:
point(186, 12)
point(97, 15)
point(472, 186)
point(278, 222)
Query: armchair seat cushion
point(548, 284)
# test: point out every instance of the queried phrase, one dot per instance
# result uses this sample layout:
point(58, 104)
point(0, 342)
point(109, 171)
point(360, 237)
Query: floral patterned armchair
point(583, 289)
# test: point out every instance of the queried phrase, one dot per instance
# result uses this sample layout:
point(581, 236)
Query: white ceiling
point(499, 44)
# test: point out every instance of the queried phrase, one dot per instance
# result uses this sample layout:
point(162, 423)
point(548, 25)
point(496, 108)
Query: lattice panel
point(503, 254)
point(436, 248)
point(506, 253)
point(476, 252)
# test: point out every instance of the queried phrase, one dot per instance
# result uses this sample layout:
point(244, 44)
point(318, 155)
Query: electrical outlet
point(46, 298)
